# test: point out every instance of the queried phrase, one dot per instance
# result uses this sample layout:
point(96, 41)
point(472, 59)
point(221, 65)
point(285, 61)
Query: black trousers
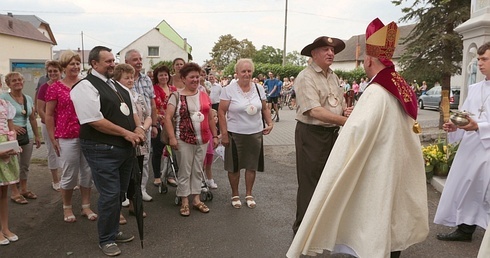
point(313, 146)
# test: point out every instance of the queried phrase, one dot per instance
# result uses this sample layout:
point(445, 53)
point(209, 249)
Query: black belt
point(333, 129)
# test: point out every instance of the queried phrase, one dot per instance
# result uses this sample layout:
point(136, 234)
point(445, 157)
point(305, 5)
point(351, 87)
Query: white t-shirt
point(237, 118)
point(215, 93)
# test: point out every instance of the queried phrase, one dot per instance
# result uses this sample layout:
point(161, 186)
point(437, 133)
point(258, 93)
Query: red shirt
point(161, 99)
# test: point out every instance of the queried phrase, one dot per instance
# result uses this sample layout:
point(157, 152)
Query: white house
point(161, 43)
point(27, 42)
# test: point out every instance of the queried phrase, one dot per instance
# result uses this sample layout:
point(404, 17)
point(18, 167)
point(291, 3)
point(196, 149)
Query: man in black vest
point(108, 135)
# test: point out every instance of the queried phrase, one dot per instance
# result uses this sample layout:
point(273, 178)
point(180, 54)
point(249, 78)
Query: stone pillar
point(475, 32)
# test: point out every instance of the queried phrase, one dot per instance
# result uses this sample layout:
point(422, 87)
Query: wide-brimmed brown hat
point(337, 44)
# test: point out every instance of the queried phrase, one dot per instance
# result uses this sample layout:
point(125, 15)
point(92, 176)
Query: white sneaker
point(212, 184)
point(125, 203)
point(146, 197)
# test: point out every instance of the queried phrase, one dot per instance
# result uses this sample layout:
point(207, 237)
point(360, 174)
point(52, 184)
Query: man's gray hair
point(126, 56)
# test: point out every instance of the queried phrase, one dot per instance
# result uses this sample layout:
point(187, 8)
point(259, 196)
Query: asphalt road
point(225, 232)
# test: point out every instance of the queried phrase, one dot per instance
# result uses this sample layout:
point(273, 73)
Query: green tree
point(226, 50)
point(433, 49)
point(167, 63)
point(247, 49)
point(295, 58)
point(268, 54)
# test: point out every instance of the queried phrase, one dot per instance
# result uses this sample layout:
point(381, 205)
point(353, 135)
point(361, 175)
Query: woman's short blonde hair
point(122, 68)
point(67, 56)
point(244, 60)
point(9, 76)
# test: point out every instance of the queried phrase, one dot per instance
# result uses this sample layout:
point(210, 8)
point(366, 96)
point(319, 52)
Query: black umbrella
point(135, 191)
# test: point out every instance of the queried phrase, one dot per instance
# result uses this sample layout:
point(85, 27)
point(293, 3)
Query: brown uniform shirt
point(316, 88)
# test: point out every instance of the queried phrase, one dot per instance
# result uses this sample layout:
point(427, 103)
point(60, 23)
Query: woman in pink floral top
point(161, 77)
point(64, 130)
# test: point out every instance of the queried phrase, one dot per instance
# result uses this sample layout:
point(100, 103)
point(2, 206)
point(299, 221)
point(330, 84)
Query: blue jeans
point(111, 169)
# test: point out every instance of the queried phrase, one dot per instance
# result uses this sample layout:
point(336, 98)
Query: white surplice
point(465, 199)
point(371, 198)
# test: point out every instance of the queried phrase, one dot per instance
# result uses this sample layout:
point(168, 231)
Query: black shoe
point(277, 119)
point(123, 238)
point(456, 235)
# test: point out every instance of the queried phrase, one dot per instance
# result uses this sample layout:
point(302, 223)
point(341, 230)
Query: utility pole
point(83, 54)
point(285, 34)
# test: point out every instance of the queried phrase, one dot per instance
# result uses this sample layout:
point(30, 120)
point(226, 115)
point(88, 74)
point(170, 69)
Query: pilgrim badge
point(124, 109)
point(197, 117)
point(251, 110)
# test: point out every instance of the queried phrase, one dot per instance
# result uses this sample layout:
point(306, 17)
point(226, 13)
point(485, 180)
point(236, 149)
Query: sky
point(116, 24)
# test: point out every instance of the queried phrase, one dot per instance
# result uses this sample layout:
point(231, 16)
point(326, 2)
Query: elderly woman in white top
point(242, 110)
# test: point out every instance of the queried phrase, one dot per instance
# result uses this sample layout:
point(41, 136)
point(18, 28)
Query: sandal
point(201, 207)
point(90, 216)
point(250, 201)
point(70, 218)
point(157, 182)
point(235, 202)
point(122, 220)
point(29, 195)
point(19, 199)
point(184, 210)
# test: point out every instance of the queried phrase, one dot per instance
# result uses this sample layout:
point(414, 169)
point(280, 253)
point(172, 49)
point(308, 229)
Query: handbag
point(164, 137)
point(23, 139)
point(260, 98)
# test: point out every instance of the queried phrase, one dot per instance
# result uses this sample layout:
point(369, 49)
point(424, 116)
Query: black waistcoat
point(109, 107)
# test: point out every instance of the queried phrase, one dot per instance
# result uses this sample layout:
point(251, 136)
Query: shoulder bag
point(23, 139)
point(260, 98)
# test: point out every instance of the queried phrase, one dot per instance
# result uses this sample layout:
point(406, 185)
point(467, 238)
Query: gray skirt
point(246, 151)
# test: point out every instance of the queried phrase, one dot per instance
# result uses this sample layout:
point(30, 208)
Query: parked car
point(432, 98)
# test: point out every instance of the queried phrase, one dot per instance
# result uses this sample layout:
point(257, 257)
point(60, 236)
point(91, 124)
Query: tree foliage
point(295, 58)
point(167, 63)
point(247, 49)
point(264, 68)
point(226, 50)
point(353, 75)
point(268, 54)
point(433, 49)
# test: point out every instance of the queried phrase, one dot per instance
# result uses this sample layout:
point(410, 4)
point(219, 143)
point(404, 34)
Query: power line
point(101, 41)
point(154, 12)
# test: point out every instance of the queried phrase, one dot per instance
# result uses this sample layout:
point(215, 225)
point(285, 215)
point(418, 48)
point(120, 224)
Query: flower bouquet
point(438, 158)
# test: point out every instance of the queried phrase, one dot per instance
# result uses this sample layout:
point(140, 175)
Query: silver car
point(432, 98)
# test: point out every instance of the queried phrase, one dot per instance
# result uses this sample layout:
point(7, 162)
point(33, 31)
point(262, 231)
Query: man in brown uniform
point(321, 110)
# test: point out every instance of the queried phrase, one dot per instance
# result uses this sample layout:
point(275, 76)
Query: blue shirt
point(270, 84)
